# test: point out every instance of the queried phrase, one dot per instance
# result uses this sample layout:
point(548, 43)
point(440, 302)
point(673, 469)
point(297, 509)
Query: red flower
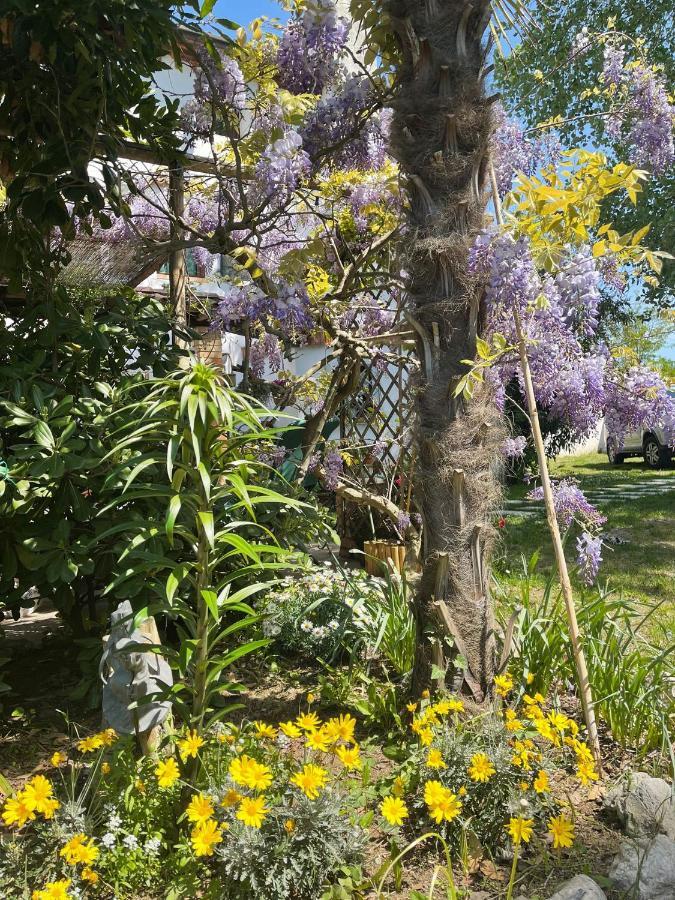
point(502, 522)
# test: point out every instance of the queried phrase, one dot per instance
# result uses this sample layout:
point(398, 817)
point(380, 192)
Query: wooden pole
point(565, 583)
point(177, 267)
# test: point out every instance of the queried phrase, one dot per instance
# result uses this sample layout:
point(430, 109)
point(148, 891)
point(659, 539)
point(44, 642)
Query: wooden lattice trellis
point(375, 431)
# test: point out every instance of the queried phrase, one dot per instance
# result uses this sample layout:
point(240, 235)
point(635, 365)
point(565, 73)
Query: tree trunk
point(440, 136)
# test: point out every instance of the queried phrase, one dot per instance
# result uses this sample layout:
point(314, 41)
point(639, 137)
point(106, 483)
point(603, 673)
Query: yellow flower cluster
point(431, 716)
point(560, 829)
point(96, 741)
point(190, 745)
point(167, 772)
point(35, 798)
point(443, 805)
point(79, 850)
point(54, 890)
point(250, 773)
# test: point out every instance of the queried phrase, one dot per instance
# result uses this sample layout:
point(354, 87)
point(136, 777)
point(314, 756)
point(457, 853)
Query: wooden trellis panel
point(380, 411)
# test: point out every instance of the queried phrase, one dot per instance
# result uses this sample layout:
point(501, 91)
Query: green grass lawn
point(642, 568)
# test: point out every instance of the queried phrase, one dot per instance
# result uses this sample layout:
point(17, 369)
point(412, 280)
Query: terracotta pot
point(379, 552)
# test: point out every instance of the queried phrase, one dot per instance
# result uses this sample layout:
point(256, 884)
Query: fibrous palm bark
point(440, 136)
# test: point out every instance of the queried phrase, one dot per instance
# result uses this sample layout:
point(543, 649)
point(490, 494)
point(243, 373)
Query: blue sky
point(242, 11)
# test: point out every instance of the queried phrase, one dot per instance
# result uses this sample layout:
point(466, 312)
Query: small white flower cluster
point(319, 632)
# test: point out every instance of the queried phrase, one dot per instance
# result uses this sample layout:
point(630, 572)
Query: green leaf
point(205, 479)
point(172, 514)
point(43, 436)
point(206, 518)
point(207, 6)
point(211, 600)
point(137, 471)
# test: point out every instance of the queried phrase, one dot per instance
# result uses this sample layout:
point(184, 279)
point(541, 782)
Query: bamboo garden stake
point(561, 562)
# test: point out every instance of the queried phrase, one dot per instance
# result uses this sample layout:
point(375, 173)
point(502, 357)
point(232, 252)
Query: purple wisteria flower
point(515, 154)
point(513, 447)
point(281, 168)
point(274, 457)
point(589, 556)
point(613, 63)
point(403, 522)
point(265, 355)
point(577, 283)
point(330, 467)
point(309, 49)
point(347, 121)
point(644, 108)
point(289, 306)
point(570, 504)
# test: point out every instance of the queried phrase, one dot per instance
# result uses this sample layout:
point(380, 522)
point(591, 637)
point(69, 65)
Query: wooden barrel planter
point(378, 552)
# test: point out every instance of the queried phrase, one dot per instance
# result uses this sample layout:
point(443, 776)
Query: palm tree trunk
point(440, 136)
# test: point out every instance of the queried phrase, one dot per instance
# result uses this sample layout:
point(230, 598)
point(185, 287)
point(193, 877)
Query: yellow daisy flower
point(290, 729)
point(503, 684)
point(249, 772)
point(58, 758)
point(394, 810)
point(252, 811)
point(265, 731)
point(435, 760)
point(37, 795)
point(520, 829)
point(17, 811)
point(561, 830)
point(189, 746)
point(205, 836)
point(311, 779)
point(481, 769)
point(199, 809)
point(349, 757)
point(426, 736)
point(318, 740)
point(308, 721)
point(586, 772)
point(341, 728)
point(89, 744)
point(441, 802)
point(89, 875)
point(167, 772)
point(54, 890)
point(231, 798)
point(79, 849)
point(541, 783)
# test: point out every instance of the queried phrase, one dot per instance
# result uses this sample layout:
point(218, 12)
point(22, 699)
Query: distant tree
point(563, 64)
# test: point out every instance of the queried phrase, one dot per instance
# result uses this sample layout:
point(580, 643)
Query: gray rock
point(644, 805)
point(649, 866)
point(581, 887)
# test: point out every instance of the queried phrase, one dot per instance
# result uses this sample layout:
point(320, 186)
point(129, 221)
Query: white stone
point(644, 805)
point(581, 887)
point(646, 869)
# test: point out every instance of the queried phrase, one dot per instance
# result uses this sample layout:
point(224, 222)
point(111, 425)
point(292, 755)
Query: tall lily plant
point(192, 445)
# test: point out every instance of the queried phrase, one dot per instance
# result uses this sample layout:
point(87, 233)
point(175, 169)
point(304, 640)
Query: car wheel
point(656, 456)
point(615, 459)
